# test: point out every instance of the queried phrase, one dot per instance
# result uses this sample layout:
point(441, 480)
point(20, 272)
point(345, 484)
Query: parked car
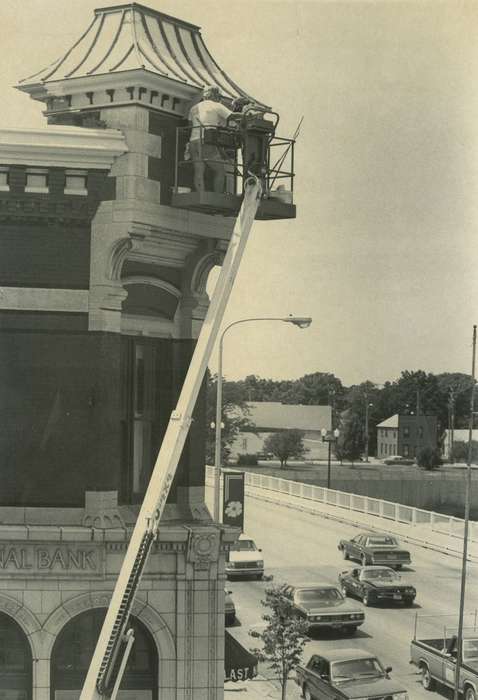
point(436, 661)
point(373, 584)
point(375, 548)
point(347, 673)
point(245, 559)
point(397, 459)
point(324, 606)
point(229, 609)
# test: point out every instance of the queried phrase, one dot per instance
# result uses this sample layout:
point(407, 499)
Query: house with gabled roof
point(269, 417)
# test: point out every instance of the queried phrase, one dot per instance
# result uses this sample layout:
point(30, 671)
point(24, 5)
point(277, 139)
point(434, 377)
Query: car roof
point(378, 534)
point(301, 586)
point(346, 654)
point(375, 568)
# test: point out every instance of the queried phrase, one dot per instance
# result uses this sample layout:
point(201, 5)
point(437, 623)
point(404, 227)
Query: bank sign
point(45, 560)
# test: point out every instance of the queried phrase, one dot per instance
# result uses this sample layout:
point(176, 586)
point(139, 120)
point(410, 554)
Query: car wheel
point(470, 694)
point(427, 681)
point(398, 567)
point(306, 693)
point(345, 554)
point(366, 599)
point(351, 630)
point(408, 602)
point(259, 577)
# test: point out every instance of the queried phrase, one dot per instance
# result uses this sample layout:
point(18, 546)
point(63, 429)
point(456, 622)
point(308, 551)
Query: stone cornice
point(62, 147)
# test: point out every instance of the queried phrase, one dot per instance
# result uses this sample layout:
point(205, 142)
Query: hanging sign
point(233, 498)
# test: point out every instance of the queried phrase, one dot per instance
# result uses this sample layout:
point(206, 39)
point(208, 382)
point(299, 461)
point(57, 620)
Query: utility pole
point(451, 423)
point(367, 406)
point(459, 649)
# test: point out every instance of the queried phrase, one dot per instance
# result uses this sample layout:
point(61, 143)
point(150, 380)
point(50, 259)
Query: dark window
point(15, 661)
point(406, 432)
point(406, 450)
point(420, 431)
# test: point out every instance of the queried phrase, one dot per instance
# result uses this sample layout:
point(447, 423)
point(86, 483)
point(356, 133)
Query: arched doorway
point(73, 650)
point(15, 661)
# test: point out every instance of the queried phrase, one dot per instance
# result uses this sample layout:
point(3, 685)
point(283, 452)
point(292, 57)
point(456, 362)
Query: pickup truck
point(342, 674)
point(436, 661)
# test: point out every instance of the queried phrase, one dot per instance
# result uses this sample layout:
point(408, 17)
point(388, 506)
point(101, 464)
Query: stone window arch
point(74, 647)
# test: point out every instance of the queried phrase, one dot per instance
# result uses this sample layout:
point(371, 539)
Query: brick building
point(102, 296)
point(406, 435)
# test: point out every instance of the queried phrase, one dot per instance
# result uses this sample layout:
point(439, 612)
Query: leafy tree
point(285, 444)
point(428, 458)
point(351, 441)
point(284, 637)
point(234, 416)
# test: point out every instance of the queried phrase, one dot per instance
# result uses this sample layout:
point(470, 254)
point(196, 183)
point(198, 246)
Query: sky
point(383, 253)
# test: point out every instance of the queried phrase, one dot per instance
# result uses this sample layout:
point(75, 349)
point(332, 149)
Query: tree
point(234, 416)
point(285, 444)
point(351, 441)
point(429, 458)
point(283, 639)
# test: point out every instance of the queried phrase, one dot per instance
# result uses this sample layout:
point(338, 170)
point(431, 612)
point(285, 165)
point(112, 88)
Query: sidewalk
point(259, 688)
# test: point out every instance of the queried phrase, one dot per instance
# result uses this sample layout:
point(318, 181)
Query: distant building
point(406, 435)
point(271, 417)
point(459, 435)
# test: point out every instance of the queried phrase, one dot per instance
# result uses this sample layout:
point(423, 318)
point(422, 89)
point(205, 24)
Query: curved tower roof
point(130, 37)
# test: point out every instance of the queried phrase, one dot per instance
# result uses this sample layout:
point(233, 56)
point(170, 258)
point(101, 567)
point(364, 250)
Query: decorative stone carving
point(101, 510)
point(203, 547)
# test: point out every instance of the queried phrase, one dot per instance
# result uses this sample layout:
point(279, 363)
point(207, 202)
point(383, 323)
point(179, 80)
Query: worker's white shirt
point(207, 113)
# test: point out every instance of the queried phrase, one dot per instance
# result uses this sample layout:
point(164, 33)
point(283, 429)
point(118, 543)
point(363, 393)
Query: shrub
point(247, 460)
point(429, 458)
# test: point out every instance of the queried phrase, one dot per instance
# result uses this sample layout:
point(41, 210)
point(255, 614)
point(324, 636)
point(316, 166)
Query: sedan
point(375, 548)
point(373, 584)
point(324, 606)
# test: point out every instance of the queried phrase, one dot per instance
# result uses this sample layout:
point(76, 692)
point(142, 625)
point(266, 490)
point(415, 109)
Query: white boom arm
point(102, 673)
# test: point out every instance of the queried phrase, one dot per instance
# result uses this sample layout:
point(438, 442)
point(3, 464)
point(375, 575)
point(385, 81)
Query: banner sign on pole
point(233, 498)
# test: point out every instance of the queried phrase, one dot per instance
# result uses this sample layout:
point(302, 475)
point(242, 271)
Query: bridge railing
point(291, 490)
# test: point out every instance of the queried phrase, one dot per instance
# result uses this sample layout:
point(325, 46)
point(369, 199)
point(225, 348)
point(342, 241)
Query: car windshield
point(382, 540)
point(357, 668)
point(320, 596)
point(470, 649)
point(379, 575)
point(244, 545)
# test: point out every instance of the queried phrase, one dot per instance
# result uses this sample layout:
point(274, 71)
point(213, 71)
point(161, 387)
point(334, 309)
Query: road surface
point(299, 547)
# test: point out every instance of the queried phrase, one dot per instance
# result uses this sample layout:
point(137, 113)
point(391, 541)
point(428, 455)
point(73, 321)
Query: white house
point(270, 417)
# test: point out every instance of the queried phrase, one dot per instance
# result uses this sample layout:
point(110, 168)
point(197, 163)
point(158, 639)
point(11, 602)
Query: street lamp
point(330, 437)
point(367, 406)
point(300, 322)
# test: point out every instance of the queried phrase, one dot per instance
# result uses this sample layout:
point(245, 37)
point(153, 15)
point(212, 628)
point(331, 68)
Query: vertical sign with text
point(233, 499)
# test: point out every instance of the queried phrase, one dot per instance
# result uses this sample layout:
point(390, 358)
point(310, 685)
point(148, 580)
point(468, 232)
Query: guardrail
point(397, 512)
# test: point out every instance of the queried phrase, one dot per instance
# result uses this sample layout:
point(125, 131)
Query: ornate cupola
point(137, 61)
point(129, 54)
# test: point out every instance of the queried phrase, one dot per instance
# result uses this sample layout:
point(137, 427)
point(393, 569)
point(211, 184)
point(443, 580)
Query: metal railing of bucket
point(289, 491)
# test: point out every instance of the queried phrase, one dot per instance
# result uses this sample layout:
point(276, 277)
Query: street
point(300, 548)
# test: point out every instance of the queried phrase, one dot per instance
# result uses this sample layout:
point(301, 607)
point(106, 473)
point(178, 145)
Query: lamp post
point(367, 406)
point(330, 437)
point(300, 322)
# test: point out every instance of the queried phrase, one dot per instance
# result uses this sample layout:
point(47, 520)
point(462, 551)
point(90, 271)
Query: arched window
point(74, 649)
point(15, 661)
